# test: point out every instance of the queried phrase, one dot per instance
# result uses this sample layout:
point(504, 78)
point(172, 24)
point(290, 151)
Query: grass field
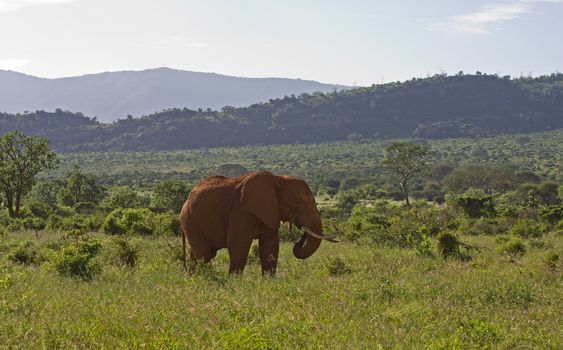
point(345, 296)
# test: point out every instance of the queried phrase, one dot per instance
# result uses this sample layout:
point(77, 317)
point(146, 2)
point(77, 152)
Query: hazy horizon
point(351, 43)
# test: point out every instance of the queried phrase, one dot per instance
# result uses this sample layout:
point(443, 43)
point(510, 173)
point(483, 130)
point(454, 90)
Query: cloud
point(15, 5)
point(14, 63)
point(489, 17)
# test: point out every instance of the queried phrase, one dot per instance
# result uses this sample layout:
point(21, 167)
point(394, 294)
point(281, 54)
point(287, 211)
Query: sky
point(350, 42)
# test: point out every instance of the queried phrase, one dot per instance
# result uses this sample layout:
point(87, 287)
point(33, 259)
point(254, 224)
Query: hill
point(112, 95)
point(436, 107)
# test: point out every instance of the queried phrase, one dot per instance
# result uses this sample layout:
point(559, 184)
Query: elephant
point(223, 212)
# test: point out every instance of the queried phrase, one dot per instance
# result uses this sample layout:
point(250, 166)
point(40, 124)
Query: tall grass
point(388, 298)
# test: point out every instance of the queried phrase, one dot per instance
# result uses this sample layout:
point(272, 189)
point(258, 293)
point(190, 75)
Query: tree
point(46, 191)
point(406, 161)
point(127, 197)
point(80, 187)
point(22, 157)
point(170, 195)
point(489, 178)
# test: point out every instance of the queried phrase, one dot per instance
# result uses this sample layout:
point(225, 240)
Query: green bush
point(167, 224)
point(126, 197)
point(38, 209)
point(476, 204)
point(129, 221)
point(527, 229)
point(126, 253)
point(26, 253)
point(76, 259)
point(448, 245)
point(170, 195)
point(289, 235)
point(73, 222)
point(486, 226)
point(513, 246)
point(85, 207)
point(552, 214)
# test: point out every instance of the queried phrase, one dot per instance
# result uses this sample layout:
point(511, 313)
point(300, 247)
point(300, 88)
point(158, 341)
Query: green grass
point(391, 299)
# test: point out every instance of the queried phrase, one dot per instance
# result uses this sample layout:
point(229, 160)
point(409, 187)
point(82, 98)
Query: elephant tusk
point(313, 234)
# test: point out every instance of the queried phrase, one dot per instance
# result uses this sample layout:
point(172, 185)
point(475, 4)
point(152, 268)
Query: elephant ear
point(259, 197)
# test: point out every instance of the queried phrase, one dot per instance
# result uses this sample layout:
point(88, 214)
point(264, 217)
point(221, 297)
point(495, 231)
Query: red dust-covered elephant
point(224, 212)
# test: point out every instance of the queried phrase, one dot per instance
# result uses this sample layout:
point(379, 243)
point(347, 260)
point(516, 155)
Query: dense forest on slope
point(436, 107)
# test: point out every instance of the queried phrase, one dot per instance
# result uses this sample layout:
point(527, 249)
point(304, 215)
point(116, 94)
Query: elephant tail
point(184, 258)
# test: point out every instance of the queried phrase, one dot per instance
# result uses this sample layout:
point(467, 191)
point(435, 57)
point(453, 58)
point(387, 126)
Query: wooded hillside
point(436, 107)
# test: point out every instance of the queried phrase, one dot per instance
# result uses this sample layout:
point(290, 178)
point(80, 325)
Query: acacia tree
point(406, 161)
point(22, 157)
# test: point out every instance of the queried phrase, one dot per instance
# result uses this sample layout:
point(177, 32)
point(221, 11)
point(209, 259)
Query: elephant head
point(274, 198)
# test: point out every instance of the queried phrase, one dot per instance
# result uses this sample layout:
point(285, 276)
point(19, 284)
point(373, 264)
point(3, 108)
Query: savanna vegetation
point(441, 106)
point(472, 261)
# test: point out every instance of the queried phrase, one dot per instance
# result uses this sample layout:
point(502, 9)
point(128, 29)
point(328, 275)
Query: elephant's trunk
point(306, 246)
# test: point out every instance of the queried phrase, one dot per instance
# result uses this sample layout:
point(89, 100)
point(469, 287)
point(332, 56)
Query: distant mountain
point(436, 107)
point(112, 95)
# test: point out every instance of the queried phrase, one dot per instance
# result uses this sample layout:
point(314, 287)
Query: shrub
point(513, 246)
point(126, 254)
point(476, 204)
point(76, 259)
point(126, 197)
point(346, 201)
point(38, 209)
point(167, 224)
point(129, 221)
point(170, 195)
point(14, 225)
point(527, 229)
point(290, 235)
point(111, 224)
point(485, 226)
point(448, 245)
point(85, 207)
point(69, 223)
point(552, 214)
point(25, 253)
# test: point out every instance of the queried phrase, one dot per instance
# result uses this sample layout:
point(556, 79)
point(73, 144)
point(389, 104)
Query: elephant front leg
point(269, 245)
point(238, 254)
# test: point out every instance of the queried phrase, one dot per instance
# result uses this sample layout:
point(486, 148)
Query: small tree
point(405, 161)
point(22, 157)
point(127, 197)
point(170, 195)
point(80, 187)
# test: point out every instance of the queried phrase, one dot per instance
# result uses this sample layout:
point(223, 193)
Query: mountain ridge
point(112, 95)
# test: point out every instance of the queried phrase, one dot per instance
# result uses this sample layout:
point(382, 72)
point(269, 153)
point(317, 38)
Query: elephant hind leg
point(200, 247)
point(205, 255)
